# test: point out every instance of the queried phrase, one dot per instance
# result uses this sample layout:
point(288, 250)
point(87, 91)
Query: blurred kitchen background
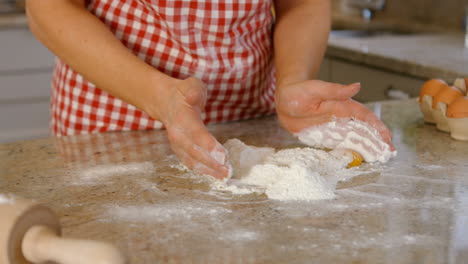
point(25, 77)
point(26, 66)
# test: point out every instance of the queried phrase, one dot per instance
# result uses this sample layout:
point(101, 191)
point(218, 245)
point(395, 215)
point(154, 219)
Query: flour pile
point(303, 173)
point(290, 174)
point(343, 133)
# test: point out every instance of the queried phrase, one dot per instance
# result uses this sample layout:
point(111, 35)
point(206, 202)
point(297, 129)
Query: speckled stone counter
point(121, 187)
point(427, 54)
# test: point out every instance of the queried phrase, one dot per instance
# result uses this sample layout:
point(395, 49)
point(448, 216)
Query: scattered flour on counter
point(239, 235)
point(295, 174)
point(342, 133)
point(292, 182)
point(165, 212)
point(5, 200)
point(290, 174)
point(102, 173)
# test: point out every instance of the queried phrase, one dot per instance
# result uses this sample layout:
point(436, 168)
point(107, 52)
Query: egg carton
point(446, 106)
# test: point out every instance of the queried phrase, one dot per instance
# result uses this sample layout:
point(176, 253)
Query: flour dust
point(291, 174)
point(5, 199)
point(343, 133)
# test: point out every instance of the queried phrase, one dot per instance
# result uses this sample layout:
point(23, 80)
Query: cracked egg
point(457, 118)
point(440, 102)
point(426, 95)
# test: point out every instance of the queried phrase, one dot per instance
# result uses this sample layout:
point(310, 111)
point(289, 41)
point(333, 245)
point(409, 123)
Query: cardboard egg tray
point(446, 106)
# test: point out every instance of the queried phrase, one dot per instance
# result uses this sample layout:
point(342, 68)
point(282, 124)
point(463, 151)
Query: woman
point(145, 64)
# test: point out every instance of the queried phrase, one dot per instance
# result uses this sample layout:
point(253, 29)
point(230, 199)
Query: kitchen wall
point(444, 13)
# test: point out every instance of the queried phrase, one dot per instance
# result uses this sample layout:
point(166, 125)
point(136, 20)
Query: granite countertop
point(429, 53)
point(121, 187)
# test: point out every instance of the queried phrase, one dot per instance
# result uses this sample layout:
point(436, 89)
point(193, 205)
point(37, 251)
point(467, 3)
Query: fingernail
point(225, 169)
point(219, 154)
point(219, 177)
point(221, 174)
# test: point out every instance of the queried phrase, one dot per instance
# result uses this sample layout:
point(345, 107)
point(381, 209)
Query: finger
point(351, 108)
point(204, 141)
point(333, 91)
point(392, 147)
point(381, 129)
point(366, 115)
point(219, 153)
point(374, 121)
point(197, 166)
point(202, 169)
point(199, 154)
point(297, 124)
point(189, 135)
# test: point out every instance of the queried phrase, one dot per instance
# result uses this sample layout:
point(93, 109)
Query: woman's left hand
point(309, 103)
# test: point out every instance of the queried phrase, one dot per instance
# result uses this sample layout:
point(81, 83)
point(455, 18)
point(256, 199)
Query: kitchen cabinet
point(376, 84)
point(324, 72)
point(24, 120)
point(21, 51)
point(25, 84)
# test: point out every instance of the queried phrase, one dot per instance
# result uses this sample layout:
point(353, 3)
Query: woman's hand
point(179, 108)
point(313, 102)
point(300, 38)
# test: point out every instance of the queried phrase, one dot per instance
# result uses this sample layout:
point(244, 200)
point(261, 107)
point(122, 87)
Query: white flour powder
point(292, 182)
point(160, 212)
point(239, 235)
point(343, 133)
point(291, 174)
point(103, 173)
point(5, 200)
point(299, 173)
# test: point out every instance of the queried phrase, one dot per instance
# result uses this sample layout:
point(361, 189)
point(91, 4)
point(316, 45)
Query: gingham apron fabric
point(225, 43)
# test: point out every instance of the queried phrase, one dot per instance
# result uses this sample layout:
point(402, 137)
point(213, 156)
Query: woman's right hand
point(179, 108)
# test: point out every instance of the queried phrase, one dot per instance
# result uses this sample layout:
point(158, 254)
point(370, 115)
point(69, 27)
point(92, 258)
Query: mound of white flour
point(291, 174)
point(303, 173)
point(343, 133)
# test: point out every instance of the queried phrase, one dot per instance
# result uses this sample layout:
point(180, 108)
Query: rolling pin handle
point(41, 244)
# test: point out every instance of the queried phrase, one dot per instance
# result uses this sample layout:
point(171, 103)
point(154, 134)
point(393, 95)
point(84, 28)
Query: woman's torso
point(227, 44)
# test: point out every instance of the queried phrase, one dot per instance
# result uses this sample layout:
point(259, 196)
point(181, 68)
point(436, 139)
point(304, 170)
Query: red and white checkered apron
point(225, 43)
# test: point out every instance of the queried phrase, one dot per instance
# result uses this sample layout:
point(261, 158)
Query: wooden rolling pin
point(30, 233)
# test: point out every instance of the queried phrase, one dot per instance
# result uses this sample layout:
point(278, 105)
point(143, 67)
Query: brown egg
point(431, 88)
point(446, 95)
point(458, 108)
